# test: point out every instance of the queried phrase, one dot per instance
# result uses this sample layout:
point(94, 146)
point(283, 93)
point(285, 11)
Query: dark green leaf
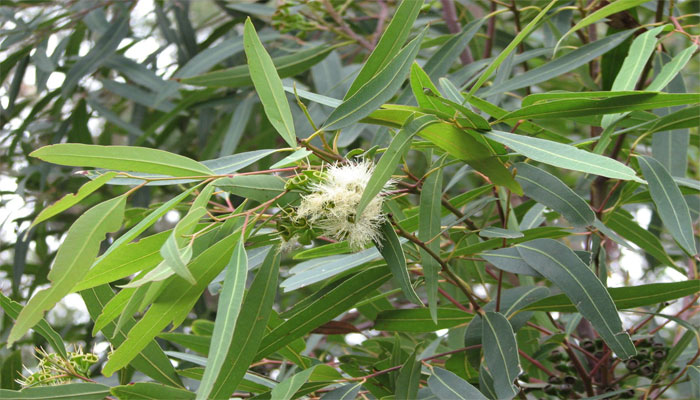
point(390, 248)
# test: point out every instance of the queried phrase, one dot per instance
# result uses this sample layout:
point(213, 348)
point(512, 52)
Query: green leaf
point(564, 156)
point(625, 297)
point(72, 261)
point(268, 85)
point(420, 81)
point(547, 189)
point(151, 360)
point(390, 248)
point(508, 259)
point(448, 386)
point(104, 47)
point(197, 343)
point(671, 69)
point(511, 46)
point(124, 261)
point(420, 320)
point(71, 391)
point(255, 187)
point(559, 66)
point(123, 158)
point(687, 117)
point(250, 327)
point(500, 353)
point(11, 371)
point(286, 66)
point(624, 225)
point(597, 103)
point(346, 392)
point(440, 62)
point(318, 311)
point(409, 377)
point(612, 8)
point(70, 200)
point(389, 44)
point(377, 91)
point(228, 310)
point(13, 309)
point(148, 390)
point(391, 158)
point(669, 202)
point(429, 227)
point(632, 67)
point(565, 269)
point(173, 304)
point(286, 389)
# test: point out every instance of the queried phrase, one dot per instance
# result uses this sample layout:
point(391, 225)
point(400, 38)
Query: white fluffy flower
point(332, 205)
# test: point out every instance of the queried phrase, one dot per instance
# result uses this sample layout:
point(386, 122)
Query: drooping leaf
point(555, 194)
point(390, 248)
point(560, 264)
point(409, 377)
point(268, 85)
point(249, 328)
point(429, 227)
point(72, 261)
point(669, 202)
point(420, 320)
point(228, 310)
point(500, 353)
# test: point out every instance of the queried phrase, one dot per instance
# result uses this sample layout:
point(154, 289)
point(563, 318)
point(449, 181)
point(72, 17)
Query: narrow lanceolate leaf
point(72, 261)
point(377, 91)
point(286, 389)
point(448, 386)
point(68, 391)
point(389, 44)
point(596, 103)
point(122, 158)
point(511, 46)
point(612, 8)
point(441, 61)
point(562, 266)
point(391, 158)
point(684, 118)
point(286, 66)
point(268, 85)
point(12, 309)
point(560, 65)
point(250, 327)
point(555, 194)
point(230, 300)
point(626, 297)
point(429, 217)
point(669, 202)
point(149, 391)
point(500, 353)
point(409, 378)
point(151, 360)
point(173, 304)
point(420, 320)
point(633, 65)
point(390, 248)
point(564, 156)
point(70, 200)
point(508, 259)
point(322, 309)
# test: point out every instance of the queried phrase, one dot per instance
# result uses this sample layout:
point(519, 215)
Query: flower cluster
point(55, 370)
point(331, 206)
